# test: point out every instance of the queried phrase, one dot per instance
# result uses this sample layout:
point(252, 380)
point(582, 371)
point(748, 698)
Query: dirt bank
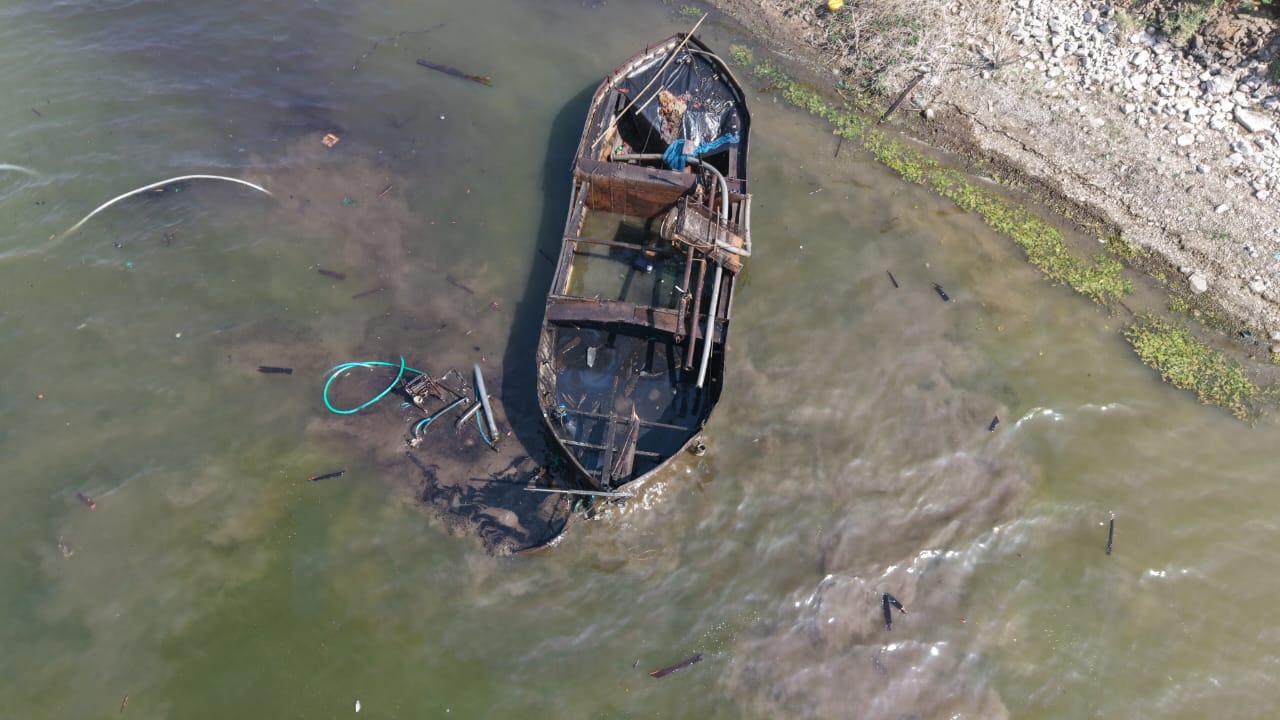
point(1171, 140)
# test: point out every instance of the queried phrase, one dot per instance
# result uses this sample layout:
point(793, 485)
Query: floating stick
point(994, 422)
point(332, 273)
point(678, 666)
point(892, 279)
point(367, 293)
point(273, 370)
point(1111, 535)
point(327, 476)
point(162, 183)
point(482, 79)
point(941, 293)
point(459, 284)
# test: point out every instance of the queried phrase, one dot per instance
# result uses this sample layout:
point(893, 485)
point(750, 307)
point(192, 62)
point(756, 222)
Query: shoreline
point(1164, 173)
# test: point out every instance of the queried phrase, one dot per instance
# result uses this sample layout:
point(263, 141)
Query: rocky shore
point(1173, 141)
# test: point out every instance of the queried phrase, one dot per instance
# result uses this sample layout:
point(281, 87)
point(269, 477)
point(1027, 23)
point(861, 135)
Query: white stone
point(1186, 139)
point(1140, 58)
point(1218, 85)
point(1198, 283)
point(1252, 121)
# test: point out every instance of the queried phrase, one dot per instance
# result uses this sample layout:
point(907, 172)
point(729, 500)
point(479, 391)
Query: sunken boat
point(631, 359)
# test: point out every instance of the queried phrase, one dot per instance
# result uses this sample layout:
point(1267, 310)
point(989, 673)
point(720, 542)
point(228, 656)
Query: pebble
point(1198, 282)
point(1216, 106)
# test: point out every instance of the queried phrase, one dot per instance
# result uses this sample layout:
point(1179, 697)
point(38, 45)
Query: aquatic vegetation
point(1187, 362)
point(1180, 357)
point(742, 56)
point(1099, 278)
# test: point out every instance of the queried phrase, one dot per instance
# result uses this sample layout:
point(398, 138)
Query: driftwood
point(903, 96)
point(482, 79)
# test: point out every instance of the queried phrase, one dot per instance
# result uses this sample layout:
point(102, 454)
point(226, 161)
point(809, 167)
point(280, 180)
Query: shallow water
point(849, 457)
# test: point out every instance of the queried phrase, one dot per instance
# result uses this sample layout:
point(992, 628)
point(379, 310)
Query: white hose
point(19, 168)
point(155, 185)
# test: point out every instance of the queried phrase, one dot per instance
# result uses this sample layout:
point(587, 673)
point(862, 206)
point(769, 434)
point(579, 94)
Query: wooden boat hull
point(631, 358)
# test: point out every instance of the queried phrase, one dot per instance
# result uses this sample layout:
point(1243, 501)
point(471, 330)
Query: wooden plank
point(632, 190)
point(565, 309)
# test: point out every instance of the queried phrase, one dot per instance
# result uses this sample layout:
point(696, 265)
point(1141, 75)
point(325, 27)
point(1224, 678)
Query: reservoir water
point(850, 455)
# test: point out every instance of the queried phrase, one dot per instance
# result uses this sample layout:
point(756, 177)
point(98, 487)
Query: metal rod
point(484, 403)
point(709, 335)
point(697, 307)
point(594, 493)
point(638, 95)
point(466, 416)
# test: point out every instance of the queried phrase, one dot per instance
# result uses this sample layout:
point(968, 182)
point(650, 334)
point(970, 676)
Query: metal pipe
point(466, 416)
point(697, 306)
point(595, 493)
point(724, 194)
point(709, 335)
point(484, 403)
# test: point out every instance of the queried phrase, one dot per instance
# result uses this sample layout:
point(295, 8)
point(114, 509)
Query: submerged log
point(447, 70)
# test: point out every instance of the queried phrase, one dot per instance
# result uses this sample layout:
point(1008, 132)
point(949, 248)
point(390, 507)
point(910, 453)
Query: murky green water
point(850, 456)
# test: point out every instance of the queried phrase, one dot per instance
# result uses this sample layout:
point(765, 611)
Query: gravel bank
point(1177, 146)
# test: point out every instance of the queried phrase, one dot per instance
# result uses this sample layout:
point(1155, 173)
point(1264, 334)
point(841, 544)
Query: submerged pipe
point(484, 404)
point(709, 334)
point(593, 493)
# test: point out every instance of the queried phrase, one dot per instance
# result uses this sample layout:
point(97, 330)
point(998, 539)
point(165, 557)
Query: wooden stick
point(614, 123)
point(678, 666)
point(910, 86)
point(482, 79)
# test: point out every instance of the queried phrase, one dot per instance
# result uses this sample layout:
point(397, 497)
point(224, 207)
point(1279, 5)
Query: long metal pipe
point(484, 403)
point(709, 335)
point(592, 493)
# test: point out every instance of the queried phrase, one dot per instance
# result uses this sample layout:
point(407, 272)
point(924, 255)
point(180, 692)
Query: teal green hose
point(339, 369)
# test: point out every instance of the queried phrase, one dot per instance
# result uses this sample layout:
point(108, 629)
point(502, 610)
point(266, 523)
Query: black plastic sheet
point(694, 100)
